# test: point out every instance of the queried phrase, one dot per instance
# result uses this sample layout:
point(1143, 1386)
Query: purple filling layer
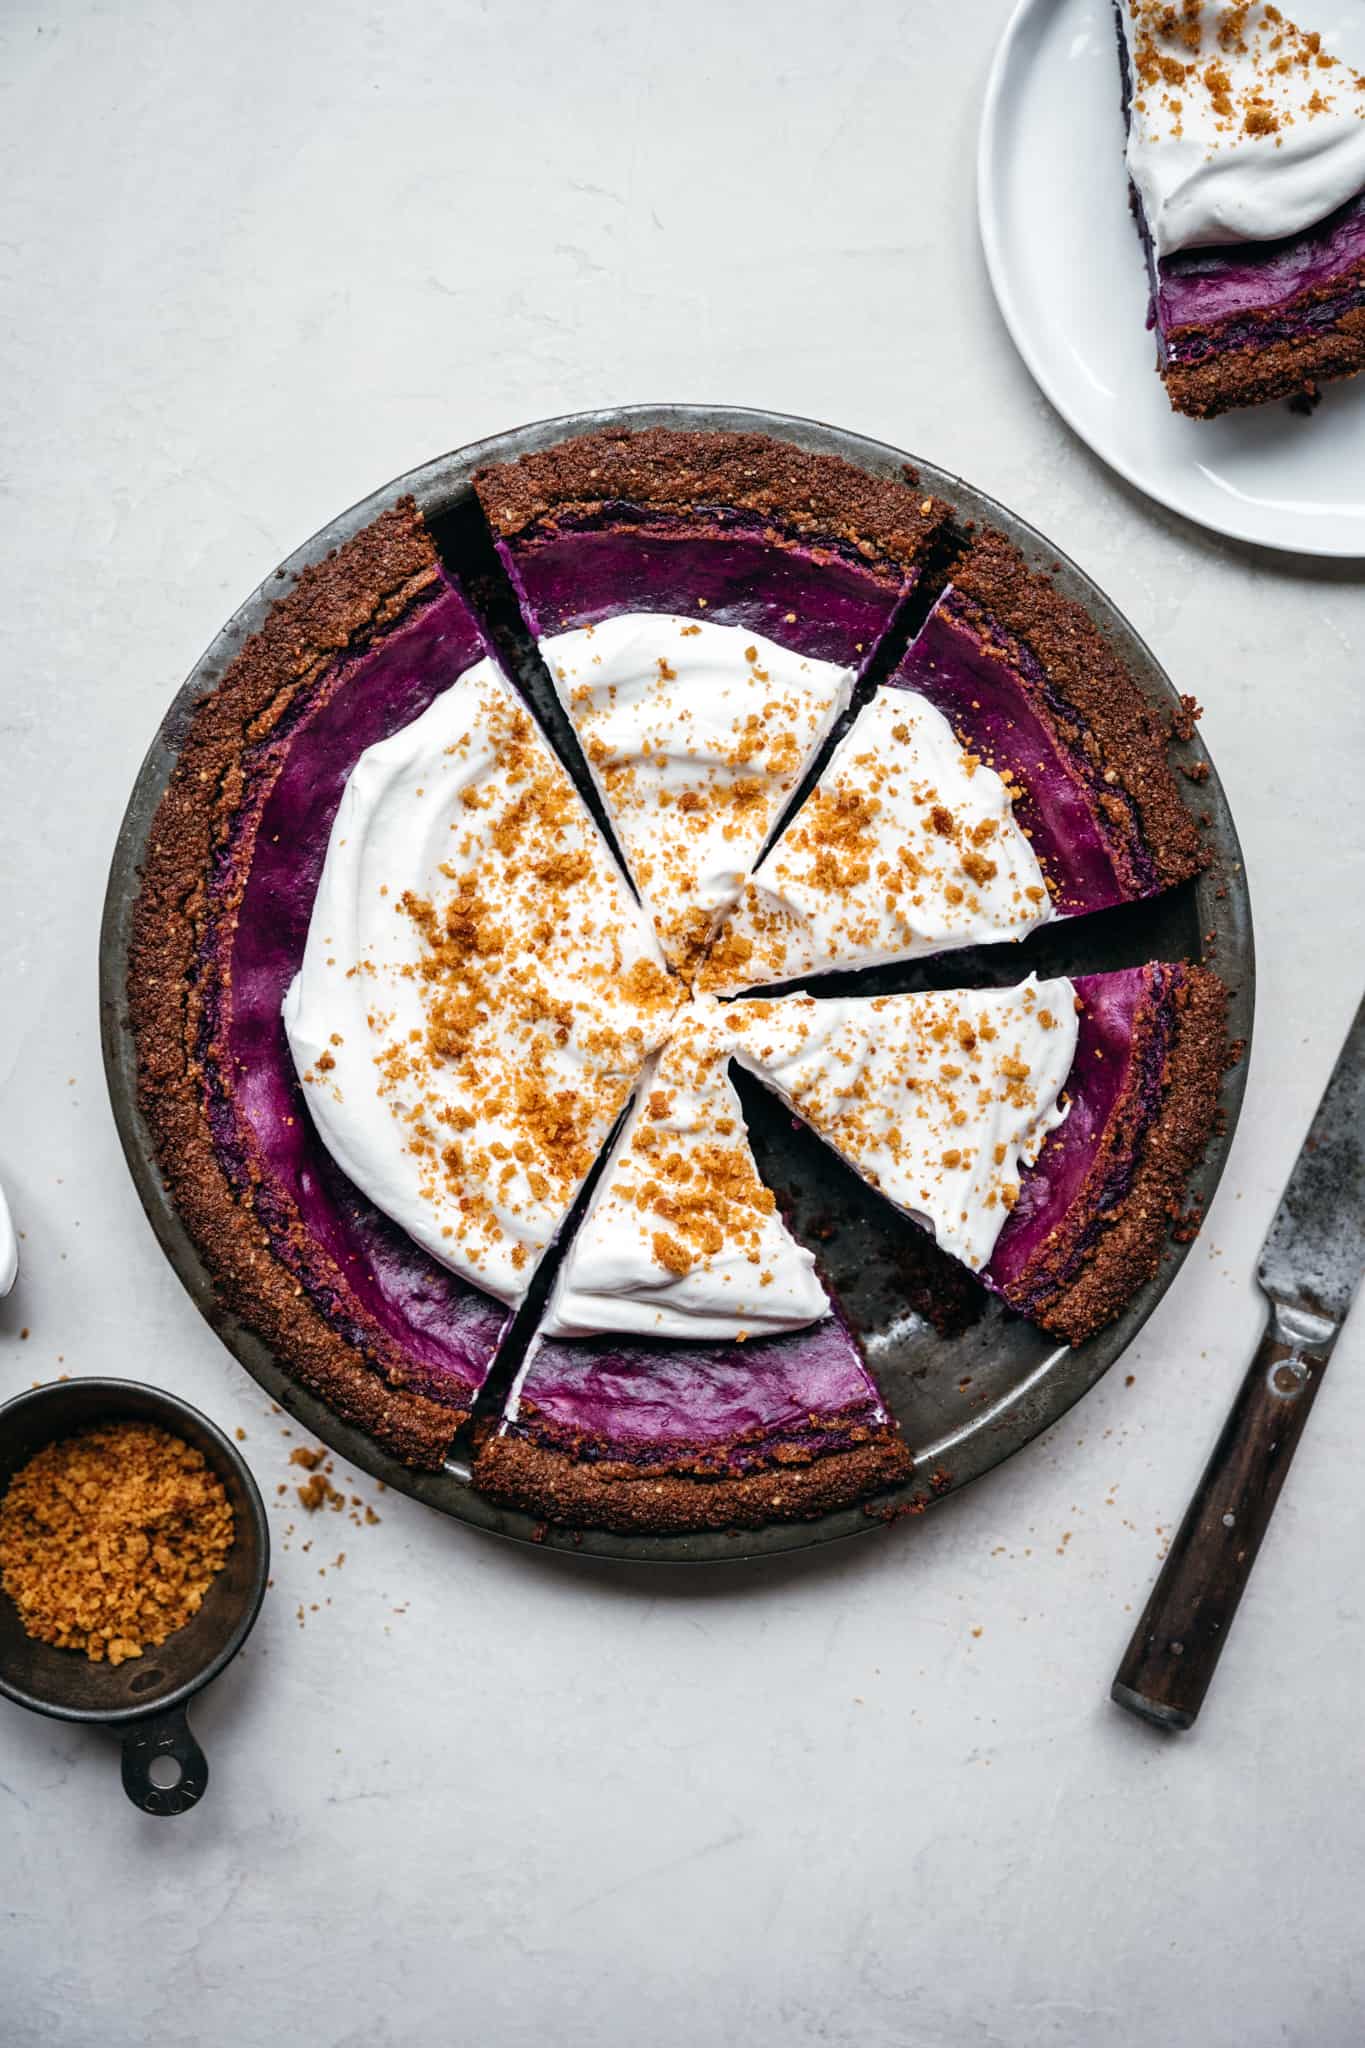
point(983, 695)
point(1108, 1046)
point(447, 1329)
point(822, 602)
point(723, 1407)
point(1240, 289)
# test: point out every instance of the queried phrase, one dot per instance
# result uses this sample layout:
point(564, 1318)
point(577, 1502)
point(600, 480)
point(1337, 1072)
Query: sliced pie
point(1010, 772)
point(1246, 164)
point(704, 603)
point(391, 992)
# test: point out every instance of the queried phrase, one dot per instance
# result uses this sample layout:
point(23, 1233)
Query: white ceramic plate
point(1068, 273)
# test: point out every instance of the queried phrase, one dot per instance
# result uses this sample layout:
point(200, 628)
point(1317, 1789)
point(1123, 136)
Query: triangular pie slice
point(704, 603)
point(1042, 1133)
point(1010, 772)
point(479, 989)
point(682, 1239)
point(690, 1371)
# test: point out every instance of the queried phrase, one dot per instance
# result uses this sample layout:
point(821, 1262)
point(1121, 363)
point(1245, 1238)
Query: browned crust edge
point(1130, 1249)
point(819, 497)
point(558, 1488)
point(334, 608)
point(1125, 737)
point(1255, 375)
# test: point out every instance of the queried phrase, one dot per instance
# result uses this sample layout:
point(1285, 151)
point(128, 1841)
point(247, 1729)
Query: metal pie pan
point(965, 1400)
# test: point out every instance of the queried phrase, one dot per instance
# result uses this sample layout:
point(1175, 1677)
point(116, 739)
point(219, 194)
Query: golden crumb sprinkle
point(1240, 58)
point(110, 1539)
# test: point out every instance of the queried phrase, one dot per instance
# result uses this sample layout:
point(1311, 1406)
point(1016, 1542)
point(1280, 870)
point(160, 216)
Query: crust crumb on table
point(110, 1539)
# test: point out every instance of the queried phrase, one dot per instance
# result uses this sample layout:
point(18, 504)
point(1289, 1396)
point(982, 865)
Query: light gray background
point(258, 258)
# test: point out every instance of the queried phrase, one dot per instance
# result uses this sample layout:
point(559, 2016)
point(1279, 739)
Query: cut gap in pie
point(1009, 772)
point(1246, 163)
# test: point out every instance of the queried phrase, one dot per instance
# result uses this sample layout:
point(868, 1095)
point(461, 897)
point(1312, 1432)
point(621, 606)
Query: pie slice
point(1042, 1133)
point(359, 646)
point(704, 603)
point(690, 1371)
point(1246, 165)
point(1010, 772)
point(479, 989)
point(682, 1239)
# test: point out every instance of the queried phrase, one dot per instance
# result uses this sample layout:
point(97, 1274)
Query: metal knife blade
point(1312, 1257)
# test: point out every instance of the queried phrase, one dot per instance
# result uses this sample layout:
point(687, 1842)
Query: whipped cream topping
point(479, 989)
point(696, 735)
point(907, 846)
point(682, 1239)
point(937, 1100)
point(1244, 127)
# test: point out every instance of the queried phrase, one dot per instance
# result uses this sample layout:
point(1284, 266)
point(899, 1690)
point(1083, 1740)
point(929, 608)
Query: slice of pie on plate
point(1246, 162)
point(704, 603)
point(1009, 772)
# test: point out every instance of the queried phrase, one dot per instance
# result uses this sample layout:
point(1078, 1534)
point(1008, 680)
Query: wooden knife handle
point(1176, 1646)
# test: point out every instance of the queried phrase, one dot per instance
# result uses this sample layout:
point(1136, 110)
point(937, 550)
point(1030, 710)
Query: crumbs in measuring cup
point(109, 1539)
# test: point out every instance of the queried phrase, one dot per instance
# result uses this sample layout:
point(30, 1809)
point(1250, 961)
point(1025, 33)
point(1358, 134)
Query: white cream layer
point(696, 734)
point(682, 1239)
point(937, 1100)
point(1240, 131)
point(907, 846)
point(479, 988)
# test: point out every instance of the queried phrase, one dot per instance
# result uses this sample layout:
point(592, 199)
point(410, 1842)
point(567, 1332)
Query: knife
point(1309, 1268)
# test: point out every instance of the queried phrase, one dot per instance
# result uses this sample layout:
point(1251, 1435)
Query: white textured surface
point(261, 258)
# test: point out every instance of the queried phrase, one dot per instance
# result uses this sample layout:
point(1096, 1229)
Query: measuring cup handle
point(163, 1735)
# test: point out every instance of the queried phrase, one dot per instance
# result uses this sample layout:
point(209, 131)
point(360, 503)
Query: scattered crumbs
point(978, 1632)
point(240, 1434)
point(1131, 1380)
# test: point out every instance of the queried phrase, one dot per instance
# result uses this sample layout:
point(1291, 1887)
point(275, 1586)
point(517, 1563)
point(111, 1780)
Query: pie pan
point(965, 1399)
point(143, 1701)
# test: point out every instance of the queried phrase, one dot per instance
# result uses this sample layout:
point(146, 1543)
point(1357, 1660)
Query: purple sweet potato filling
point(1103, 1070)
point(448, 1329)
point(982, 694)
point(822, 602)
point(1239, 289)
point(642, 1400)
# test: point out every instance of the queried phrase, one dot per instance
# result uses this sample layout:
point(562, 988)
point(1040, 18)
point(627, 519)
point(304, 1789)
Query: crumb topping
point(696, 734)
point(938, 1100)
point(499, 1013)
point(907, 846)
point(109, 1539)
point(1252, 72)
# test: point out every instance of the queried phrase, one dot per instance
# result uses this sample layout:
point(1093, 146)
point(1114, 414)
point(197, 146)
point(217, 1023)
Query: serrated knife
point(1309, 1269)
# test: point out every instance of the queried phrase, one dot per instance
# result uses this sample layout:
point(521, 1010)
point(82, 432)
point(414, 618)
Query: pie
point(1246, 162)
point(443, 1083)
